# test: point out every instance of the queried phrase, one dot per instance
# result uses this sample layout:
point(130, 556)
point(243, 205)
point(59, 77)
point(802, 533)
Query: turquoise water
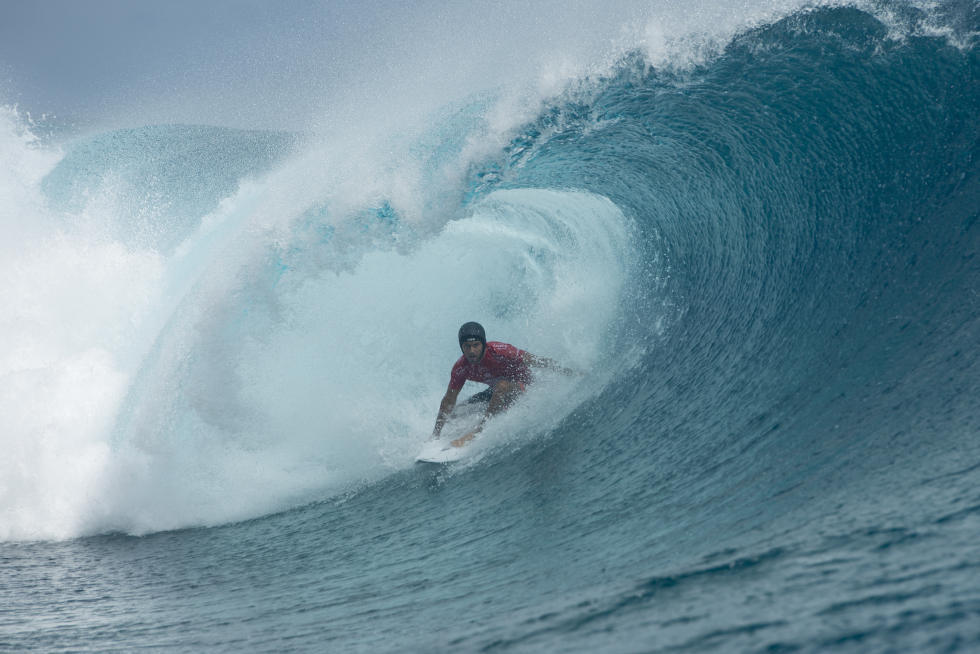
point(226, 347)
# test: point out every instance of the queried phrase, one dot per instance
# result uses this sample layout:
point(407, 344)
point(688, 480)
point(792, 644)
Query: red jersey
point(500, 361)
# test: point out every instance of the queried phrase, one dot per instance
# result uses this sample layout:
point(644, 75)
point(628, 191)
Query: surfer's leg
point(482, 396)
point(504, 394)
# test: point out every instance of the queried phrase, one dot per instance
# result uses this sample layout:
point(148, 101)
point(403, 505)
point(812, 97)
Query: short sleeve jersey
point(500, 361)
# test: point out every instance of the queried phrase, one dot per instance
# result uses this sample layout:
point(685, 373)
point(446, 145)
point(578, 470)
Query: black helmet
point(472, 331)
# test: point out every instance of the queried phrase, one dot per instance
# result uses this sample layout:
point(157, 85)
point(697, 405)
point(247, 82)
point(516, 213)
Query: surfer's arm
point(445, 408)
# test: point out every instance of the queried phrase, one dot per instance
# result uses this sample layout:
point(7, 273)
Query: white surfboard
point(464, 419)
point(441, 451)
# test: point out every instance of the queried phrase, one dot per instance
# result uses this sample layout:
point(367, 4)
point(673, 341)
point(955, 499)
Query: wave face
point(766, 260)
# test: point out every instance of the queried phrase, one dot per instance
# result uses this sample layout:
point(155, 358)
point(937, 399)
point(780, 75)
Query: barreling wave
point(768, 248)
point(762, 248)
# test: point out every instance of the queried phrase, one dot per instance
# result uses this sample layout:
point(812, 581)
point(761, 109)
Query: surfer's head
point(472, 341)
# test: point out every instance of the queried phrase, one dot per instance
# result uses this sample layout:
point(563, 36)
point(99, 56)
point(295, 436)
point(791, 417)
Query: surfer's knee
point(505, 392)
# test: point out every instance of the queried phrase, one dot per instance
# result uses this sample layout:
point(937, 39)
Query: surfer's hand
point(463, 440)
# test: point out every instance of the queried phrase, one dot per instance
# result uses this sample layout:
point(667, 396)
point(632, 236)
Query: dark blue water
point(777, 446)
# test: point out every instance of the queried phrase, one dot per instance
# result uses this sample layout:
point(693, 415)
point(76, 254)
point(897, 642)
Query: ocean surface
point(222, 349)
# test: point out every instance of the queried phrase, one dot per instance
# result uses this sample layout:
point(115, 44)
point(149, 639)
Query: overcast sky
point(252, 63)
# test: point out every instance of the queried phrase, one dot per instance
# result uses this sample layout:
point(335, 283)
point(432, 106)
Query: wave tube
point(281, 377)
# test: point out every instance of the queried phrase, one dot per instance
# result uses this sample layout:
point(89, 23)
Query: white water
point(144, 391)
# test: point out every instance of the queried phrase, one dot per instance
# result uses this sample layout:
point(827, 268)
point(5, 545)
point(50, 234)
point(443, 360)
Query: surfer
point(503, 367)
